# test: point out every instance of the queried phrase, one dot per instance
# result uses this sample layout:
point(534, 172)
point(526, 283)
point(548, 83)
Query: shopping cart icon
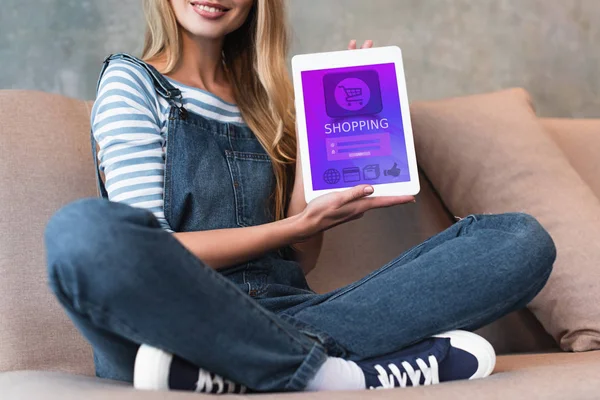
point(353, 95)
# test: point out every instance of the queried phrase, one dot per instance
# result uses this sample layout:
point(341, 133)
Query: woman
point(198, 139)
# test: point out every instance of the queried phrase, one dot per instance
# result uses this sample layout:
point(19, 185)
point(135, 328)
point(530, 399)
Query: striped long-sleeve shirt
point(129, 122)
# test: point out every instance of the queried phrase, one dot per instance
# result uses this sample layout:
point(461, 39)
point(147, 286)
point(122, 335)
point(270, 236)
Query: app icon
point(371, 171)
point(331, 176)
point(351, 174)
point(352, 93)
point(354, 96)
point(394, 171)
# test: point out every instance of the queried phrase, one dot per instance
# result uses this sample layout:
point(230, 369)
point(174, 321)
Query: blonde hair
point(255, 60)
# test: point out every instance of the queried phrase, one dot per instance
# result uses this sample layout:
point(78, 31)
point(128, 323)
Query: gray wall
point(451, 47)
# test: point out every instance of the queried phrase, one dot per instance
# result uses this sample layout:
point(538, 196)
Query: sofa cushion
point(523, 377)
point(45, 162)
point(490, 154)
point(579, 139)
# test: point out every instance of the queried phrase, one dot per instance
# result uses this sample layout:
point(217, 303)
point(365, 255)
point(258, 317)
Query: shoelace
point(430, 374)
point(207, 382)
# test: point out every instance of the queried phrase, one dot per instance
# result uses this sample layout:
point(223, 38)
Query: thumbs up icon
point(394, 171)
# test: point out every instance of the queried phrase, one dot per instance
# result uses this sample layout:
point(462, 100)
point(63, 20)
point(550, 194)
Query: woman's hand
point(335, 208)
point(366, 45)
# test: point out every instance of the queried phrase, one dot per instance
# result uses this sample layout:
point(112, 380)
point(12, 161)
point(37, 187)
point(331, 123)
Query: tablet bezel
point(351, 58)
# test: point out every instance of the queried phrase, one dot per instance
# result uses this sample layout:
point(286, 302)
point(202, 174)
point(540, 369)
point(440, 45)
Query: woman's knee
point(537, 238)
point(532, 242)
point(82, 234)
point(93, 214)
point(537, 252)
point(71, 237)
point(76, 227)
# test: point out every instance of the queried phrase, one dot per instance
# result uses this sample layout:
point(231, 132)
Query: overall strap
point(163, 88)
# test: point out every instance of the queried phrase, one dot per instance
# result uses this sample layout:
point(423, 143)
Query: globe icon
point(331, 176)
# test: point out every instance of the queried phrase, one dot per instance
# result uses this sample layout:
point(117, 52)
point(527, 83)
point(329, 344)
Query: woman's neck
point(201, 66)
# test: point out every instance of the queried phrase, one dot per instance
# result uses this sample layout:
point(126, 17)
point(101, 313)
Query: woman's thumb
point(357, 192)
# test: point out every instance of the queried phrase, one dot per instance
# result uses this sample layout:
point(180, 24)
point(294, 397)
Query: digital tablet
point(354, 122)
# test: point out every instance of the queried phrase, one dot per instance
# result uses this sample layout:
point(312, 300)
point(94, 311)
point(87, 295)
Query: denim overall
point(125, 281)
point(217, 176)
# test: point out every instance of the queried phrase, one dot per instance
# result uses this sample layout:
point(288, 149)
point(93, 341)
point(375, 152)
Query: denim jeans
point(124, 281)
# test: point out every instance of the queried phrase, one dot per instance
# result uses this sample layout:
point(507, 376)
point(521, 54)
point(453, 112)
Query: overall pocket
point(253, 181)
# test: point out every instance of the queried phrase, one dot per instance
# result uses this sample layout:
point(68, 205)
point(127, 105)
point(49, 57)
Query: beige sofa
point(45, 162)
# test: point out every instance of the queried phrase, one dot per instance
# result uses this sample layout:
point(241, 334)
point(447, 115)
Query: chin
point(206, 32)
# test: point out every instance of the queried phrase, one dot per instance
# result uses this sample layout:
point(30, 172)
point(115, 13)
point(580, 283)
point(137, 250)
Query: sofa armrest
point(580, 141)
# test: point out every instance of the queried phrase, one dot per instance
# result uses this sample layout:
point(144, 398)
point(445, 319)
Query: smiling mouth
point(211, 8)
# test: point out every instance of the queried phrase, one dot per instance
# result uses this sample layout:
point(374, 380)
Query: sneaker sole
point(151, 370)
point(477, 346)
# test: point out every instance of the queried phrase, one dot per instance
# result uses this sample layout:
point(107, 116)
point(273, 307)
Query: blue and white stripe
point(129, 122)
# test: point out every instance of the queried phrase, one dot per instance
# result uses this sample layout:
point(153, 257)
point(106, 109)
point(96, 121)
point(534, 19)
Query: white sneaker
point(156, 369)
point(450, 356)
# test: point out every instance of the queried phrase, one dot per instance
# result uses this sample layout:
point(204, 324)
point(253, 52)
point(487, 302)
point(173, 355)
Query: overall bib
point(217, 176)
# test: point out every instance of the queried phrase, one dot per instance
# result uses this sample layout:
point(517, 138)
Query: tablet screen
point(354, 126)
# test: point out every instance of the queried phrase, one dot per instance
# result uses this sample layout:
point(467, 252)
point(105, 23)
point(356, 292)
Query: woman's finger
point(355, 193)
point(367, 44)
point(385, 201)
point(352, 45)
